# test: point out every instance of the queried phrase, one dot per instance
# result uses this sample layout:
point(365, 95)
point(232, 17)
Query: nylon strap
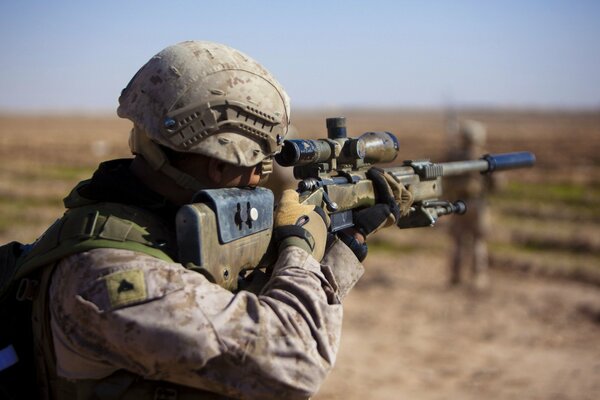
point(100, 225)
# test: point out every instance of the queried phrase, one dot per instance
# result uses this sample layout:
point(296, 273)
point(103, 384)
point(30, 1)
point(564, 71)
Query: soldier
point(469, 232)
point(118, 320)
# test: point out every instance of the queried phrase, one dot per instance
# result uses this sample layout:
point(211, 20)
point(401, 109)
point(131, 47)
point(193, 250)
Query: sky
point(76, 56)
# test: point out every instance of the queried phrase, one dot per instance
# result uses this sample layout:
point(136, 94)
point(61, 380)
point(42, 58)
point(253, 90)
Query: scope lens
point(379, 147)
point(288, 155)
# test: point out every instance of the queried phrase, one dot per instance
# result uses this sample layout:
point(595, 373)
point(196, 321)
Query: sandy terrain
point(407, 335)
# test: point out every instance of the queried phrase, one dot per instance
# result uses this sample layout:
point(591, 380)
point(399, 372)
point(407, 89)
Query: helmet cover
point(207, 98)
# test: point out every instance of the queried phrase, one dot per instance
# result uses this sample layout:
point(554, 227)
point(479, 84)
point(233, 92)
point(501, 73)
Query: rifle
point(332, 174)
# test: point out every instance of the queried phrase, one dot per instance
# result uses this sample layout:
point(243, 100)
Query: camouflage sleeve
point(115, 309)
point(344, 266)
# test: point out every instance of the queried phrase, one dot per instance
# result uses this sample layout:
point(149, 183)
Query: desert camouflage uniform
point(130, 324)
point(183, 329)
point(124, 324)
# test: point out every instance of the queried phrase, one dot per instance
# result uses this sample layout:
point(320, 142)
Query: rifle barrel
point(462, 167)
point(501, 162)
point(490, 163)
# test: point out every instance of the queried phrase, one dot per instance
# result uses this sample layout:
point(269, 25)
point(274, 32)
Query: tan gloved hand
point(300, 225)
point(385, 185)
point(393, 202)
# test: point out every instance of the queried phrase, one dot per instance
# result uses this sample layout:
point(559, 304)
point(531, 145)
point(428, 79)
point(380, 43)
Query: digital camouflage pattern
point(116, 309)
point(210, 99)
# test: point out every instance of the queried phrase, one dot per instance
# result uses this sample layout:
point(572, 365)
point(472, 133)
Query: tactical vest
point(83, 227)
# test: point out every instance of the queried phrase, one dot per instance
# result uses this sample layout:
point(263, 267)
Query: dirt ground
point(408, 335)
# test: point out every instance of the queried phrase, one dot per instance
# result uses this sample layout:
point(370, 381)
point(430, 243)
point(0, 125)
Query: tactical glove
point(393, 201)
point(300, 225)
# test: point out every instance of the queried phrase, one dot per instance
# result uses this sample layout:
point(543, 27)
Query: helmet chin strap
point(141, 145)
point(266, 169)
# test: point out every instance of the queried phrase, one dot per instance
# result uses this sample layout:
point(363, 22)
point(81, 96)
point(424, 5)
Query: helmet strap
point(266, 169)
point(141, 145)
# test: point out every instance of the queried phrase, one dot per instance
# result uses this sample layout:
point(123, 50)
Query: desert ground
point(534, 334)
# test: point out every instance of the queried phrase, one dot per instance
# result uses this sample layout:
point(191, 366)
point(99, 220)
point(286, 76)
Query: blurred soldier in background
point(117, 315)
point(469, 232)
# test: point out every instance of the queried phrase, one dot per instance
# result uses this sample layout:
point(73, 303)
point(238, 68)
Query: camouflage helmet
point(206, 98)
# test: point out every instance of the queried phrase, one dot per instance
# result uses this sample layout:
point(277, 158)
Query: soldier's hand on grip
point(393, 202)
point(300, 225)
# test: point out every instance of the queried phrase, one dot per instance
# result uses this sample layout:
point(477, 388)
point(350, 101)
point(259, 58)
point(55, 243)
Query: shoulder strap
point(101, 225)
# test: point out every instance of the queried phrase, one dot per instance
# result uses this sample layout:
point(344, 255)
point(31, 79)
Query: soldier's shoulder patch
point(126, 287)
point(132, 285)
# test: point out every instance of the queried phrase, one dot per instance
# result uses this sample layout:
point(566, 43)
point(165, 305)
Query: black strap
point(284, 232)
point(383, 193)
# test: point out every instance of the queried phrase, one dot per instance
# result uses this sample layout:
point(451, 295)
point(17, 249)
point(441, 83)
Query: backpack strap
point(101, 225)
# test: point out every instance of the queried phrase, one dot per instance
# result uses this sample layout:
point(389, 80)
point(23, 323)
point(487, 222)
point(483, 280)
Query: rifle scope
point(370, 147)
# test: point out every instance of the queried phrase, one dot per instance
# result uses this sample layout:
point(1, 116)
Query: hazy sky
point(78, 55)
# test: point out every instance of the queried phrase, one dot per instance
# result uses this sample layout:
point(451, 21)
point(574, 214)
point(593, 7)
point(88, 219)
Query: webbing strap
point(109, 221)
point(104, 225)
